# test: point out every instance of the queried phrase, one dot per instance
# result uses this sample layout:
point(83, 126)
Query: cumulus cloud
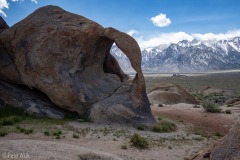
point(5, 5)
point(175, 37)
point(213, 37)
point(161, 20)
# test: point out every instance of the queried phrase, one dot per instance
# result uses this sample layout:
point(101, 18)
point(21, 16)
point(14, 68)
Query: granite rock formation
point(67, 57)
point(228, 148)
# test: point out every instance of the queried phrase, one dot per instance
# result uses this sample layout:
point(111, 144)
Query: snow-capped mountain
point(187, 56)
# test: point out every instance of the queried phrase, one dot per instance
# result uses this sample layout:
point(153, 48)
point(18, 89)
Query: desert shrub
point(124, 146)
point(199, 96)
point(141, 127)
point(211, 107)
point(160, 105)
point(24, 130)
point(164, 126)
point(7, 121)
point(75, 135)
point(139, 142)
point(46, 133)
point(228, 111)
point(57, 133)
point(28, 131)
point(3, 132)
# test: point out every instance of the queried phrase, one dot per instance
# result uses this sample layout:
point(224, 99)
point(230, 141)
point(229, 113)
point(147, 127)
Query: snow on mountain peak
point(187, 56)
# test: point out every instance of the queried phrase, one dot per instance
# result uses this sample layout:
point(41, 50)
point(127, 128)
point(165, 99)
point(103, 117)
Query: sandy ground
point(98, 141)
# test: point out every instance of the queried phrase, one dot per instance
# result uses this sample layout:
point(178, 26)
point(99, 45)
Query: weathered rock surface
point(32, 101)
point(67, 57)
point(3, 24)
point(167, 93)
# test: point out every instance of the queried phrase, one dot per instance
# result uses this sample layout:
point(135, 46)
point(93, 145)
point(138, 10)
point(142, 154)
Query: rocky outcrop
point(229, 147)
point(167, 93)
point(32, 101)
point(3, 24)
point(231, 101)
point(66, 56)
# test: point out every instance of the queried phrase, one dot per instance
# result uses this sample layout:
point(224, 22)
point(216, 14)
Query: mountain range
point(186, 56)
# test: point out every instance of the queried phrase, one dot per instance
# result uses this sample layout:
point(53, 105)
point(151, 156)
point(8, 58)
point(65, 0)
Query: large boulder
point(67, 57)
point(167, 93)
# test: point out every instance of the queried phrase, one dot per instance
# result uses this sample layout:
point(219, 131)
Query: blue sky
point(151, 22)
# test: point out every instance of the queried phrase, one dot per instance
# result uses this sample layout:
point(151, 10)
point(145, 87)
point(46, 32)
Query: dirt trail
point(49, 150)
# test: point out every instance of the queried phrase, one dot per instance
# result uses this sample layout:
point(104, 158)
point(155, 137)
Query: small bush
point(24, 130)
point(8, 121)
point(139, 142)
point(58, 137)
point(141, 127)
point(28, 131)
point(164, 127)
point(160, 105)
point(18, 127)
point(3, 133)
point(211, 107)
point(75, 135)
point(46, 133)
point(228, 111)
point(159, 118)
point(124, 146)
point(57, 133)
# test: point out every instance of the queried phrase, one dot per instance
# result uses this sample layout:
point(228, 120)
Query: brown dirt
point(203, 123)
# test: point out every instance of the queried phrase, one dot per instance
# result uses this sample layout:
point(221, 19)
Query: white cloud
point(161, 20)
point(211, 36)
point(163, 38)
point(175, 37)
point(3, 5)
point(34, 1)
point(132, 32)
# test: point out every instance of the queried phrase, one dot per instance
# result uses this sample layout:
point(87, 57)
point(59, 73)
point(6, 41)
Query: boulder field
point(67, 58)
